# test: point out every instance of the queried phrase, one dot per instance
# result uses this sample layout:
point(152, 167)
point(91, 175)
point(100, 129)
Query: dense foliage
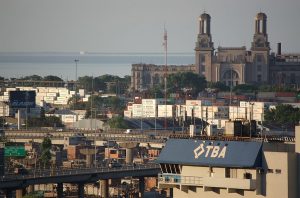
point(105, 83)
point(283, 116)
point(51, 121)
point(187, 82)
point(100, 104)
point(218, 86)
point(117, 122)
point(45, 151)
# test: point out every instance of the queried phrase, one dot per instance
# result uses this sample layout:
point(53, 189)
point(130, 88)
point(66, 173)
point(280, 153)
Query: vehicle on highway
point(128, 131)
point(114, 164)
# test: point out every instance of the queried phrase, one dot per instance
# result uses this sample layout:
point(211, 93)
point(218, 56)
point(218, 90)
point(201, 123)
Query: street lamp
point(75, 87)
point(231, 83)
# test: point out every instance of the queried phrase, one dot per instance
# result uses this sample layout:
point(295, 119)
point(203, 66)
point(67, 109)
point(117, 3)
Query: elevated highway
point(80, 176)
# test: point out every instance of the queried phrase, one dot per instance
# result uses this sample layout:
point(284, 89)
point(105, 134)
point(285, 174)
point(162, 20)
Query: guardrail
point(39, 173)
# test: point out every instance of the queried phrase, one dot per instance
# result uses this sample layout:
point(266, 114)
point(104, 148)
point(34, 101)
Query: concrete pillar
point(19, 119)
point(80, 190)
point(19, 193)
point(141, 186)
point(129, 155)
point(104, 188)
point(297, 150)
point(89, 160)
point(9, 193)
point(171, 192)
point(30, 189)
point(60, 190)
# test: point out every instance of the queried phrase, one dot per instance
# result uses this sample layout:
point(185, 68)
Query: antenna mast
point(165, 72)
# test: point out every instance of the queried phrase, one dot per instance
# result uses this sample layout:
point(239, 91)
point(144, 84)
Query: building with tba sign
point(234, 167)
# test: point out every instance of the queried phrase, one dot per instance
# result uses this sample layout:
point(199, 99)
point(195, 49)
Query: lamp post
point(231, 83)
point(75, 89)
point(155, 115)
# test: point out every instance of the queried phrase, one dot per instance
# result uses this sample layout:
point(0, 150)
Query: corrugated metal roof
point(212, 153)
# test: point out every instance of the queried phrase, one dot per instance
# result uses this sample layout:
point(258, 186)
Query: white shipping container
point(61, 98)
point(41, 94)
point(68, 118)
point(51, 94)
point(5, 98)
point(72, 92)
point(258, 105)
point(60, 102)
point(49, 98)
point(165, 107)
point(257, 110)
point(49, 101)
point(81, 92)
point(53, 90)
point(85, 99)
point(157, 101)
point(128, 114)
point(10, 89)
point(193, 102)
point(162, 114)
point(244, 104)
point(5, 93)
point(129, 108)
point(63, 91)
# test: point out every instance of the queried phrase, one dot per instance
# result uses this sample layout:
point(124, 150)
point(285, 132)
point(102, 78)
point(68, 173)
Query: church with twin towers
point(230, 65)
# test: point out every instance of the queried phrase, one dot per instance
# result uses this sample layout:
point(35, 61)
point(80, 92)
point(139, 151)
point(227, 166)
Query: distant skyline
point(113, 26)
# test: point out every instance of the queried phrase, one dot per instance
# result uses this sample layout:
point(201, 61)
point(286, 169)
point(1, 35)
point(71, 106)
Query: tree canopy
point(45, 151)
point(186, 82)
point(117, 122)
point(283, 116)
point(105, 83)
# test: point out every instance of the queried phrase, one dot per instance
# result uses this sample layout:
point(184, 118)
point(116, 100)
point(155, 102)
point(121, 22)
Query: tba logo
point(210, 151)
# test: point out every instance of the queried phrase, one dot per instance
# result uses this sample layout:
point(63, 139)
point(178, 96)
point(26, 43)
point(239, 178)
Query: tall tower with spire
point(204, 48)
point(260, 50)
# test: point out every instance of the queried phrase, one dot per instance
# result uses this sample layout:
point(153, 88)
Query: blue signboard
point(22, 99)
point(212, 153)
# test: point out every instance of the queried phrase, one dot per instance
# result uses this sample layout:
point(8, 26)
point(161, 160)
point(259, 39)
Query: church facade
point(230, 65)
point(233, 65)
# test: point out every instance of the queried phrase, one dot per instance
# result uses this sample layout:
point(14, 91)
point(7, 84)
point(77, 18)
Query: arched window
point(230, 77)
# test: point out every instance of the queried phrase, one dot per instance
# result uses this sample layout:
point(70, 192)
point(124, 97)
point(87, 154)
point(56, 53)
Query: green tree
point(50, 121)
point(218, 86)
point(45, 151)
point(186, 82)
point(245, 88)
point(52, 78)
point(32, 77)
point(283, 115)
point(117, 122)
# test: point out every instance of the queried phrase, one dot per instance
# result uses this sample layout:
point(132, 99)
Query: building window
point(230, 173)
point(247, 176)
point(227, 172)
point(259, 58)
point(270, 170)
point(202, 67)
point(259, 78)
point(278, 171)
point(293, 78)
point(211, 171)
point(258, 67)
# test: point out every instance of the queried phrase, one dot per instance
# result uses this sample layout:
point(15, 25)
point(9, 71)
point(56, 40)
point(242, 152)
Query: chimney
point(278, 49)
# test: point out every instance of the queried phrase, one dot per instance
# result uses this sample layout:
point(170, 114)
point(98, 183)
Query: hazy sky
point(137, 25)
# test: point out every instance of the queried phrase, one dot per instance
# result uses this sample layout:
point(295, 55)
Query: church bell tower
point(204, 48)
